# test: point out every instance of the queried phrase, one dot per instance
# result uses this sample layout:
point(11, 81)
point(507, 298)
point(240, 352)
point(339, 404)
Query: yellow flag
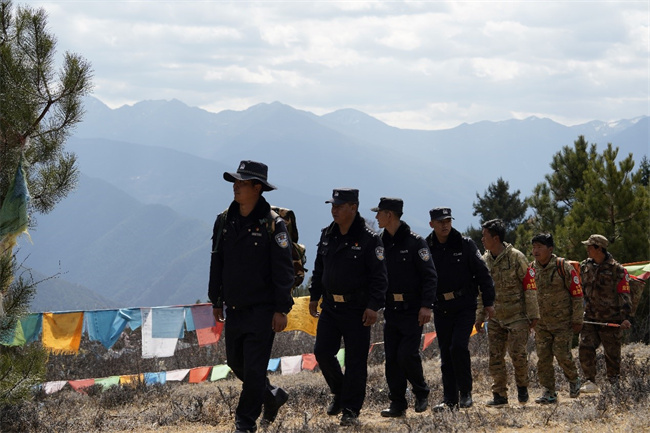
point(299, 318)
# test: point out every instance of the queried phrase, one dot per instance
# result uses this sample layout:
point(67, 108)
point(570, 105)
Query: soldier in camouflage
point(561, 310)
point(606, 286)
point(516, 312)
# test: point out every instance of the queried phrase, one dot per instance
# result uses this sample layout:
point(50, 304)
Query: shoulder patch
point(379, 252)
point(282, 239)
point(623, 285)
point(424, 254)
point(529, 280)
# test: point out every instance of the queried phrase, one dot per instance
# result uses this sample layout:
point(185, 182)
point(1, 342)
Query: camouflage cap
point(598, 240)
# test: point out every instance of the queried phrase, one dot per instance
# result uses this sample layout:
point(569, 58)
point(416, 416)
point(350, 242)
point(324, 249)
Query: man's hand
point(218, 314)
point(279, 322)
point(532, 324)
point(424, 316)
point(576, 328)
point(490, 312)
point(625, 324)
point(479, 327)
point(369, 317)
point(313, 308)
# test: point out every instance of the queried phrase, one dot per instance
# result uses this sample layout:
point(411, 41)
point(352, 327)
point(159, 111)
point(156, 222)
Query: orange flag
point(309, 361)
point(199, 374)
point(428, 339)
point(62, 331)
point(131, 379)
point(79, 385)
point(211, 335)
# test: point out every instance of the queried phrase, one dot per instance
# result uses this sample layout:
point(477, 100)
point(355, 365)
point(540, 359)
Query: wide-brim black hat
point(251, 170)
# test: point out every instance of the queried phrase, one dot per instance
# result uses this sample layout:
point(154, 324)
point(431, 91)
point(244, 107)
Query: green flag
point(13, 214)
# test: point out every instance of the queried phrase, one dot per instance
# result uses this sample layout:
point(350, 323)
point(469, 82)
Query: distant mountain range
point(137, 231)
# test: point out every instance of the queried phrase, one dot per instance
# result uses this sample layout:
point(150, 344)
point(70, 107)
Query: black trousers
point(336, 322)
point(249, 340)
point(402, 337)
point(453, 329)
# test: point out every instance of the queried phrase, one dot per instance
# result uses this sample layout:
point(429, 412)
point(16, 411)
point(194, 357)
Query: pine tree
point(569, 166)
point(40, 106)
point(498, 202)
point(644, 171)
point(614, 203)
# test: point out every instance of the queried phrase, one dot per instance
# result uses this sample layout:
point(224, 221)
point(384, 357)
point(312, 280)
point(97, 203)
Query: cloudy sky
point(411, 64)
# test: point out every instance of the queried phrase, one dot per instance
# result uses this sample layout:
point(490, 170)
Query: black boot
point(497, 401)
point(522, 394)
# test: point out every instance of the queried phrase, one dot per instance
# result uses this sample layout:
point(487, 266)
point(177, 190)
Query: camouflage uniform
point(516, 306)
point(607, 300)
point(560, 306)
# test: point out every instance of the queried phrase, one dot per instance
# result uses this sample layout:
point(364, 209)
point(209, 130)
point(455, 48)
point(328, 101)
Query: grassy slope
point(209, 406)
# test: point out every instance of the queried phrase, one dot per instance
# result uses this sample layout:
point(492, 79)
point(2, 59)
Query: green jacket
point(514, 284)
point(607, 290)
point(560, 299)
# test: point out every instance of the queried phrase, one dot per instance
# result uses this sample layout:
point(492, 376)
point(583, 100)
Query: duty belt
point(340, 298)
point(448, 296)
point(399, 297)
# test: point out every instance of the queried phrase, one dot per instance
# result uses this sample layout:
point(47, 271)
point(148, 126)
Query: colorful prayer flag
point(428, 339)
point(62, 331)
point(309, 361)
point(199, 374)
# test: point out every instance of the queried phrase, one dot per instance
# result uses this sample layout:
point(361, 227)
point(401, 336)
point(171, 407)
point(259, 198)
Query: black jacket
point(250, 265)
point(461, 270)
point(352, 265)
point(411, 271)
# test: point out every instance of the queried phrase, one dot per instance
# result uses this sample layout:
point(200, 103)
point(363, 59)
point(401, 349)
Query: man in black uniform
point(412, 281)
point(350, 277)
point(461, 274)
point(251, 275)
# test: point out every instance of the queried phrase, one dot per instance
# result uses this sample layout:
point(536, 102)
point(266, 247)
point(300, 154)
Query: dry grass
point(209, 406)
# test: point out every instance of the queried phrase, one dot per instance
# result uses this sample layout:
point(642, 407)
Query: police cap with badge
point(344, 195)
point(388, 203)
point(440, 213)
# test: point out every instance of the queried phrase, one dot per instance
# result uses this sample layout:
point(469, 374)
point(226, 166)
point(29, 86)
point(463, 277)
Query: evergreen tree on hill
point(498, 202)
point(41, 103)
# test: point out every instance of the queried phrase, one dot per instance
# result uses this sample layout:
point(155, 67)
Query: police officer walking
point(561, 310)
point(251, 277)
point(606, 285)
point(412, 281)
point(517, 312)
point(350, 278)
point(461, 274)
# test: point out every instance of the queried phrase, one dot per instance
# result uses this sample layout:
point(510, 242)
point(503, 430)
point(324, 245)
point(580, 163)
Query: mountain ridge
point(137, 231)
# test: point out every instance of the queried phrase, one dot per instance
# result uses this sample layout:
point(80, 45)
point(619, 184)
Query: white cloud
point(411, 64)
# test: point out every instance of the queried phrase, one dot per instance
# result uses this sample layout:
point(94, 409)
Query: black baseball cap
point(389, 203)
point(344, 195)
point(440, 213)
